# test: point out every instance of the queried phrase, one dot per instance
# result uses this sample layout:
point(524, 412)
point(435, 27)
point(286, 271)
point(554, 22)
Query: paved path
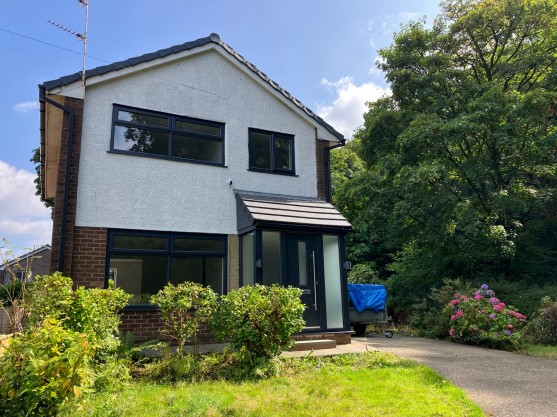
point(503, 384)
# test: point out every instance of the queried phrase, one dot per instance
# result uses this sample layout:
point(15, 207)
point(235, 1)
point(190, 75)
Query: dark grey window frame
point(170, 129)
point(170, 252)
point(272, 136)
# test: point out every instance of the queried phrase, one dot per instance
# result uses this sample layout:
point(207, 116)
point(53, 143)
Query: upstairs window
point(271, 152)
point(167, 136)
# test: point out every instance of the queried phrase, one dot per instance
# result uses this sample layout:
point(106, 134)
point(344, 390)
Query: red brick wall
point(77, 106)
point(146, 325)
point(320, 146)
point(89, 256)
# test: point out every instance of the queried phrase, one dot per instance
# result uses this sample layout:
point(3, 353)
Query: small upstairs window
point(271, 152)
point(167, 136)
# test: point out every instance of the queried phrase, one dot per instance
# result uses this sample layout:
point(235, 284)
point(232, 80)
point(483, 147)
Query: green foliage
point(542, 328)
point(372, 383)
point(36, 159)
point(524, 295)
point(484, 320)
point(461, 174)
point(45, 370)
point(91, 312)
point(428, 315)
point(229, 365)
point(9, 292)
point(183, 308)
point(259, 319)
point(363, 274)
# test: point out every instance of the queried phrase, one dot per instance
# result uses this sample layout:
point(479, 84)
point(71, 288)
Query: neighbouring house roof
point(25, 256)
point(213, 38)
point(284, 210)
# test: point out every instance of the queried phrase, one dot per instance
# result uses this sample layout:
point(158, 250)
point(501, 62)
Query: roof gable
point(211, 39)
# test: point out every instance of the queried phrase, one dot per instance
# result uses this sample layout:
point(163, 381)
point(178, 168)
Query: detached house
point(189, 163)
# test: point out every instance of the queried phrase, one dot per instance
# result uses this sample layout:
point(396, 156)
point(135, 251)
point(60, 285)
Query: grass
point(539, 350)
point(359, 385)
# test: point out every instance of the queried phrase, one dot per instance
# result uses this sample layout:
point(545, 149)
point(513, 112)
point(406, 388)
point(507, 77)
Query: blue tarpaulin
point(368, 297)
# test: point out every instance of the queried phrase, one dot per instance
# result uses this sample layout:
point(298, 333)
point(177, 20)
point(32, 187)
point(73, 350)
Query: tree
point(36, 159)
point(462, 168)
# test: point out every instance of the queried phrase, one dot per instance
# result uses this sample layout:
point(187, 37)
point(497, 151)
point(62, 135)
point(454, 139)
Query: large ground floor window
point(141, 263)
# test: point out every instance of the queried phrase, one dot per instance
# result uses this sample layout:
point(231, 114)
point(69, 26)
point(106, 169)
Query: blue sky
point(322, 51)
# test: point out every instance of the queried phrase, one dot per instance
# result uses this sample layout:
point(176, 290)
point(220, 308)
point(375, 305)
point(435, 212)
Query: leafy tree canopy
point(461, 157)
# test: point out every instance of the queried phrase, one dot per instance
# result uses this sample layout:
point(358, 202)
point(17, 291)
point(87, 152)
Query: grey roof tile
point(287, 210)
point(212, 38)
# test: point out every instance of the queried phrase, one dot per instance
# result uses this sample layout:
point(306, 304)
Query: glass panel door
point(301, 267)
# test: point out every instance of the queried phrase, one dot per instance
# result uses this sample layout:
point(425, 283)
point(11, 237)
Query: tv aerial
point(80, 36)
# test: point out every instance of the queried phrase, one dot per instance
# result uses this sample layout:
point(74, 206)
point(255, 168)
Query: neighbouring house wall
point(77, 106)
point(39, 263)
point(5, 326)
point(135, 192)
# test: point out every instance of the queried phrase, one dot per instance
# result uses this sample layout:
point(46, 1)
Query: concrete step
point(314, 344)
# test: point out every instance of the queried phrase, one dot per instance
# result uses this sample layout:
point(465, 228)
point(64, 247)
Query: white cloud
point(26, 106)
point(407, 16)
point(346, 112)
point(24, 220)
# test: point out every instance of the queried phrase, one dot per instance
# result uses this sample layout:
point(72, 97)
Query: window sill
point(168, 158)
point(266, 171)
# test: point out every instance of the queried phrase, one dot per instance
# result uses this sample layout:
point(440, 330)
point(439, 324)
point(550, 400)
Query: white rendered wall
point(135, 192)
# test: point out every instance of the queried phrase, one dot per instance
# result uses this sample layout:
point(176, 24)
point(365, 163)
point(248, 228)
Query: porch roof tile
point(284, 210)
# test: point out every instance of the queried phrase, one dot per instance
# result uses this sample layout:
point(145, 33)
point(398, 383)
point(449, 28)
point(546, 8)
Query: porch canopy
point(274, 211)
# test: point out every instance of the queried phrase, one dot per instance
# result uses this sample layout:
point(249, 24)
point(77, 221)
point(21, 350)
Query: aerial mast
point(82, 37)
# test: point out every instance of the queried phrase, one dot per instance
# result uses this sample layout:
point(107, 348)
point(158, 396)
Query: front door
point(302, 270)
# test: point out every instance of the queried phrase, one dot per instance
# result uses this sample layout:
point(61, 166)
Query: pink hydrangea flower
point(459, 314)
point(510, 326)
point(478, 297)
point(453, 317)
point(503, 305)
point(493, 301)
point(497, 308)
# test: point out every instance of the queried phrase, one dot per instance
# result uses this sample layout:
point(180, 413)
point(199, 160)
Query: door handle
point(314, 280)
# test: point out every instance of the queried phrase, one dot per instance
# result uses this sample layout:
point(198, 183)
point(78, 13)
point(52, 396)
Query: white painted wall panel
point(127, 191)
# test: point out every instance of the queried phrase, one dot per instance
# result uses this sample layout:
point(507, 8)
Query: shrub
point(183, 308)
point(92, 312)
point(363, 274)
point(9, 292)
point(259, 319)
point(542, 328)
point(484, 320)
point(44, 370)
point(428, 318)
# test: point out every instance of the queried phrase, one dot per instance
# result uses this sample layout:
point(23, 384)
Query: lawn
point(366, 385)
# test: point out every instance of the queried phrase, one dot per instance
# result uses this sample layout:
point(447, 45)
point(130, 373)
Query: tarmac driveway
point(503, 384)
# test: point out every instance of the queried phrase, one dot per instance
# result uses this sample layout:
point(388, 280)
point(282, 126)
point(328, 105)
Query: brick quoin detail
point(320, 146)
point(76, 105)
point(89, 256)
